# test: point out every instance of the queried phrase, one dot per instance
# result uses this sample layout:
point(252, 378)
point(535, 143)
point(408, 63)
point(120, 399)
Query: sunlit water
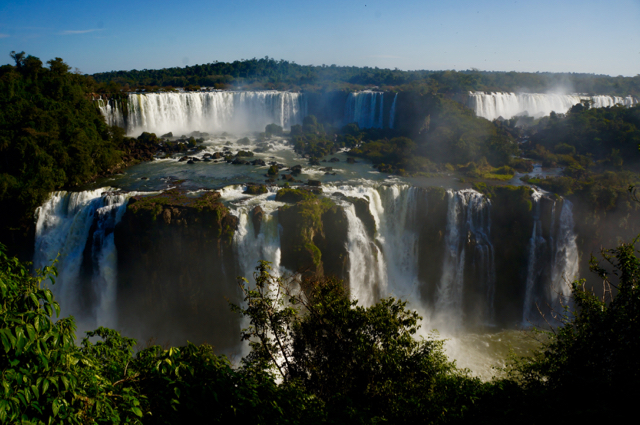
point(391, 272)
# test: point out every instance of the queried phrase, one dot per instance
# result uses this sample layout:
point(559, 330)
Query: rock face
point(176, 267)
point(313, 237)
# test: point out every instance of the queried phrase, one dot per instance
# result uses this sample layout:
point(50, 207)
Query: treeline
point(317, 357)
point(598, 148)
point(268, 73)
point(51, 136)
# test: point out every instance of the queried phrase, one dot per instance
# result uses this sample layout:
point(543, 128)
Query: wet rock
point(190, 161)
point(256, 217)
point(351, 160)
point(184, 158)
point(314, 183)
point(334, 159)
point(255, 189)
point(258, 162)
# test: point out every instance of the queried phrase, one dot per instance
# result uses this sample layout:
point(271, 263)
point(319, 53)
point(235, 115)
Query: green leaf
point(137, 411)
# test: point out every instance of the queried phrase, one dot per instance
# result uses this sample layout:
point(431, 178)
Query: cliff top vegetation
point(268, 73)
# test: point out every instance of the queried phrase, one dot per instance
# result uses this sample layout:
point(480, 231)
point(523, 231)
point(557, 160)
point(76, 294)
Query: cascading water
point(565, 264)
point(552, 262)
point(365, 108)
point(508, 105)
point(536, 245)
point(385, 251)
point(79, 226)
point(254, 245)
point(468, 227)
point(181, 113)
point(111, 111)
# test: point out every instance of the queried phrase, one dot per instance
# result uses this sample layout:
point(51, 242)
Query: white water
point(63, 228)
point(365, 108)
point(385, 264)
point(508, 105)
point(468, 224)
point(182, 113)
point(565, 266)
point(111, 112)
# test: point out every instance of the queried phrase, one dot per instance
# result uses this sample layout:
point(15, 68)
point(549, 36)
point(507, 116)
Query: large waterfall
point(182, 113)
point(387, 252)
point(508, 105)
point(77, 229)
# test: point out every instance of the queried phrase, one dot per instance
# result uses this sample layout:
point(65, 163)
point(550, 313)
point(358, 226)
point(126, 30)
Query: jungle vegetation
point(269, 73)
point(316, 357)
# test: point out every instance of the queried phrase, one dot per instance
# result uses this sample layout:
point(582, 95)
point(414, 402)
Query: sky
point(601, 37)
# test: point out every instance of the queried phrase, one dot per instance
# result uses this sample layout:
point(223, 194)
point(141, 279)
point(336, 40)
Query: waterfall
point(565, 261)
point(252, 246)
point(386, 264)
point(508, 105)
point(468, 229)
point(79, 227)
point(365, 108)
point(111, 111)
point(383, 247)
point(392, 114)
point(552, 261)
point(536, 244)
point(181, 113)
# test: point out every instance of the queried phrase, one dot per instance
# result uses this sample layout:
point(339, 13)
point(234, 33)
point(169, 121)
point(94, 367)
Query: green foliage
point(268, 73)
point(294, 195)
point(362, 363)
point(51, 136)
point(595, 351)
point(45, 377)
point(609, 135)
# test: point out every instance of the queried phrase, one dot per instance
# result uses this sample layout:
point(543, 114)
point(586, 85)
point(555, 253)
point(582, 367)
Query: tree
point(364, 363)
point(594, 354)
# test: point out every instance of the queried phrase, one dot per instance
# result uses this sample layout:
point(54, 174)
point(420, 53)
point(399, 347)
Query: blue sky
point(600, 37)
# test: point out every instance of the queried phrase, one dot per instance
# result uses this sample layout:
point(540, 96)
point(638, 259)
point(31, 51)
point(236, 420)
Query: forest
point(316, 355)
point(269, 73)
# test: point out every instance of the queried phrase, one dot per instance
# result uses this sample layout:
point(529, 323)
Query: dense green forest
point(268, 73)
point(51, 137)
point(316, 357)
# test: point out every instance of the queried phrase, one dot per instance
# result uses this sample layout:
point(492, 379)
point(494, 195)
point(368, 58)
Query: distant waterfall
point(468, 233)
point(182, 113)
point(79, 226)
point(365, 108)
point(508, 105)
